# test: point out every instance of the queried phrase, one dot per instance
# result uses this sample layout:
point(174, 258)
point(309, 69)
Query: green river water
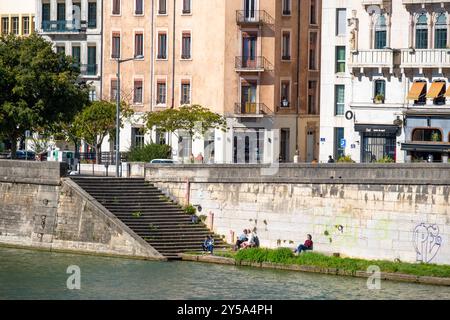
point(26, 274)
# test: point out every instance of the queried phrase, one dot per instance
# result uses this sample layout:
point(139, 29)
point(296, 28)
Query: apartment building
point(75, 28)
point(17, 19)
point(239, 58)
point(384, 78)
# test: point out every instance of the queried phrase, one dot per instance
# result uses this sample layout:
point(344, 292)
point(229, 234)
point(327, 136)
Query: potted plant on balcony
point(379, 98)
point(436, 137)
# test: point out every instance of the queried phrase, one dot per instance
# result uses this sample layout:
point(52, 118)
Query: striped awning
point(435, 90)
point(416, 90)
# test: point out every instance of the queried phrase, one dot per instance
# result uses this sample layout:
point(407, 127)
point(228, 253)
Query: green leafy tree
point(97, 121)
point(38, 87)
point(196, 120)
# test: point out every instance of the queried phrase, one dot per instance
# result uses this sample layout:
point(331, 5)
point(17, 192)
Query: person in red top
point(308, 245)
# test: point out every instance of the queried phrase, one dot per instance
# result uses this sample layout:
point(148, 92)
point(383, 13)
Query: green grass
point(286, 256)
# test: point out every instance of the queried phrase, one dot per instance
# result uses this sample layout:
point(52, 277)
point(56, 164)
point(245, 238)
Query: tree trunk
point(13, 137)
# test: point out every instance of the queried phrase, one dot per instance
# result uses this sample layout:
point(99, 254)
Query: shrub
point(385, 159)
point(190, 210)
point(149, 152)
point(346, 159)
point(2, 147)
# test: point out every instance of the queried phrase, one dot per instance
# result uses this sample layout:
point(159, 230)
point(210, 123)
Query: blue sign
point(322, 139)
point(343, 143)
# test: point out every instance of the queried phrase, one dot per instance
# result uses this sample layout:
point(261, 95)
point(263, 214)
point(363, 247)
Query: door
point(249, 42)
point(284, 145)
point(248, 98)
point(250, 9)
point(92, 61)
point(310, 138)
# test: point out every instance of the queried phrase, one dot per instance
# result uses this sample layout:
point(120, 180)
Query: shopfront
point(378, 142)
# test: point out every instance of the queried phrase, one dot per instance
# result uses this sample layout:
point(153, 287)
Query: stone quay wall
point(39, 208)
point(363, 211)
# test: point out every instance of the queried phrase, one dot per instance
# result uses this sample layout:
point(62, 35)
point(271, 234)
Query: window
point(116, 7)
point(92, 15)
point(76, 55)
point(286, 50)
point(45, 15)
point(113, 95)
point(186, 6)
point(162, 7)
point(285, 93)
point(139, 7)
point(162, 45)
point(61, 49)
point(313, 12)
point(380, 33)
point(339, 142)
point(186, 46)
point(160, 137)
point(92, 61)
point(312, 97)
point(137, 97)
point(5, 25)
point(341, 22)
point(428, 135)
point(286, 7)
point(161, 92)
point(440, 37)
point(380, 91)
point(92, 95)
point(313, 65)
point(61, 13)
point(339, 98)
point(138, 137)
point(340, 59)
point(115, 52)
point(185, 92)
point(138, 44)
point(15, 25)
point(26, 25)
point(422, 32)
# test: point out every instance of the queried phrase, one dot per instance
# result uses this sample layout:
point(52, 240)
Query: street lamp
point(118, 160)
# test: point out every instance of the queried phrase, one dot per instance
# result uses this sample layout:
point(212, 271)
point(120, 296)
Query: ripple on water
point(26, 274)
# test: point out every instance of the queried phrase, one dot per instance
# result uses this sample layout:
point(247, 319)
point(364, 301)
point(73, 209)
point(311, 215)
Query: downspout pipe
point(173, 53)
point(101, 53)
point(298, 76)
point(152, 62)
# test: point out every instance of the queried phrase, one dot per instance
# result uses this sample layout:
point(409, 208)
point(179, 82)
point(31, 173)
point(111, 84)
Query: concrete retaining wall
point(366, 211)
point(38, 209)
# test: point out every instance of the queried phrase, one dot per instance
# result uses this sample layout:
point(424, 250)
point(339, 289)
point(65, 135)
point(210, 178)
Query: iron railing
point(253, 17)
point(106, 158)
point(247, 63)
point(251, 108)
point(63, 26)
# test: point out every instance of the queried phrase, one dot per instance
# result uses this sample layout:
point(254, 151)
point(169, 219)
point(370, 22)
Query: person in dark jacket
point(308, 245)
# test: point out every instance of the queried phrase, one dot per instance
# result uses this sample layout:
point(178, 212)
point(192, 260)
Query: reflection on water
point(26, 274)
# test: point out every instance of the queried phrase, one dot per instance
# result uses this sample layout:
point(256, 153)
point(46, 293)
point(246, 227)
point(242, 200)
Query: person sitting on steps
point(210, 244)
point(308, 245)
point(242, 238)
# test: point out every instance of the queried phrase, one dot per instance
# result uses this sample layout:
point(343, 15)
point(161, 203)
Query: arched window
point(381, 33)
point(440, 31)
point(427, 135)
point(422, 32)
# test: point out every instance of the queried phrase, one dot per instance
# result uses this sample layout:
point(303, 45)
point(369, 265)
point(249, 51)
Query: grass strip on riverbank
point(286, 257)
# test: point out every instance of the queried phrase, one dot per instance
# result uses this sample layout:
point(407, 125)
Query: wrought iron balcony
point(87, 69)
point(252, 64)
point(60, 26)
point(251, 109)
point(253, 17)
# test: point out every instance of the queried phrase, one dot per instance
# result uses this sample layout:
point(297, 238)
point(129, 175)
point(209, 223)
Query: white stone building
point(75, 28)
point(384, 85)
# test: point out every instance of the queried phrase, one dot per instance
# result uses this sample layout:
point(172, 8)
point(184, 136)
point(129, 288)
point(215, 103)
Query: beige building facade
point(17, 19)
point(239, 58)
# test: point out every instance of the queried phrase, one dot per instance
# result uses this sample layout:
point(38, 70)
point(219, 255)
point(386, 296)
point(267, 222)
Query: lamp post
point(118, 160)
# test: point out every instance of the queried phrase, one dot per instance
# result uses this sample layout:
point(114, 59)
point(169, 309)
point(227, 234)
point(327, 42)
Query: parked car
point(163, 161)
point(25, 155)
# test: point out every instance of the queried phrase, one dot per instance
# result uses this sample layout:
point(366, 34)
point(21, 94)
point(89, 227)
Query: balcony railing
point(382, 58)
point(252, 64)
point(425, 58)
point(62, 26)
point(89, 69)
point(253, 17)
point(250, 108)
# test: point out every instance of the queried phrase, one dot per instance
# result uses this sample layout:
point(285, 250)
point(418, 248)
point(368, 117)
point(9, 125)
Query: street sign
point(343, 143)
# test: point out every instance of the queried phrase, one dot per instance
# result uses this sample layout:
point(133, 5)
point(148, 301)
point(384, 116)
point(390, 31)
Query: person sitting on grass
point(242, 238)
point(308, 245)
point(251, 240)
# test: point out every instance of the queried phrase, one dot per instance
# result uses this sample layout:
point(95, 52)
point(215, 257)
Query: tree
point(38, 87)
point(195, 120)
point(97, 121)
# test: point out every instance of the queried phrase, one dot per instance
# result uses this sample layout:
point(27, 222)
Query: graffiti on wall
point(427, 242)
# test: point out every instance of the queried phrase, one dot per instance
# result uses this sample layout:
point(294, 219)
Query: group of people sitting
point(208, 244)
point(247, 239)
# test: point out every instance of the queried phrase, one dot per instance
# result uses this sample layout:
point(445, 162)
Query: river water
point(26, 274)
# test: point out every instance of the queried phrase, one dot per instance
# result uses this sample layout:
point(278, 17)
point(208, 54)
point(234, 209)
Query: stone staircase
point(149, 213)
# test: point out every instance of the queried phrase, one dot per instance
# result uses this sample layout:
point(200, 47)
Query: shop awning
point(377, 128)
point(416, 90)
point(426, 147)
point(447, 94)
point(435, 90)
